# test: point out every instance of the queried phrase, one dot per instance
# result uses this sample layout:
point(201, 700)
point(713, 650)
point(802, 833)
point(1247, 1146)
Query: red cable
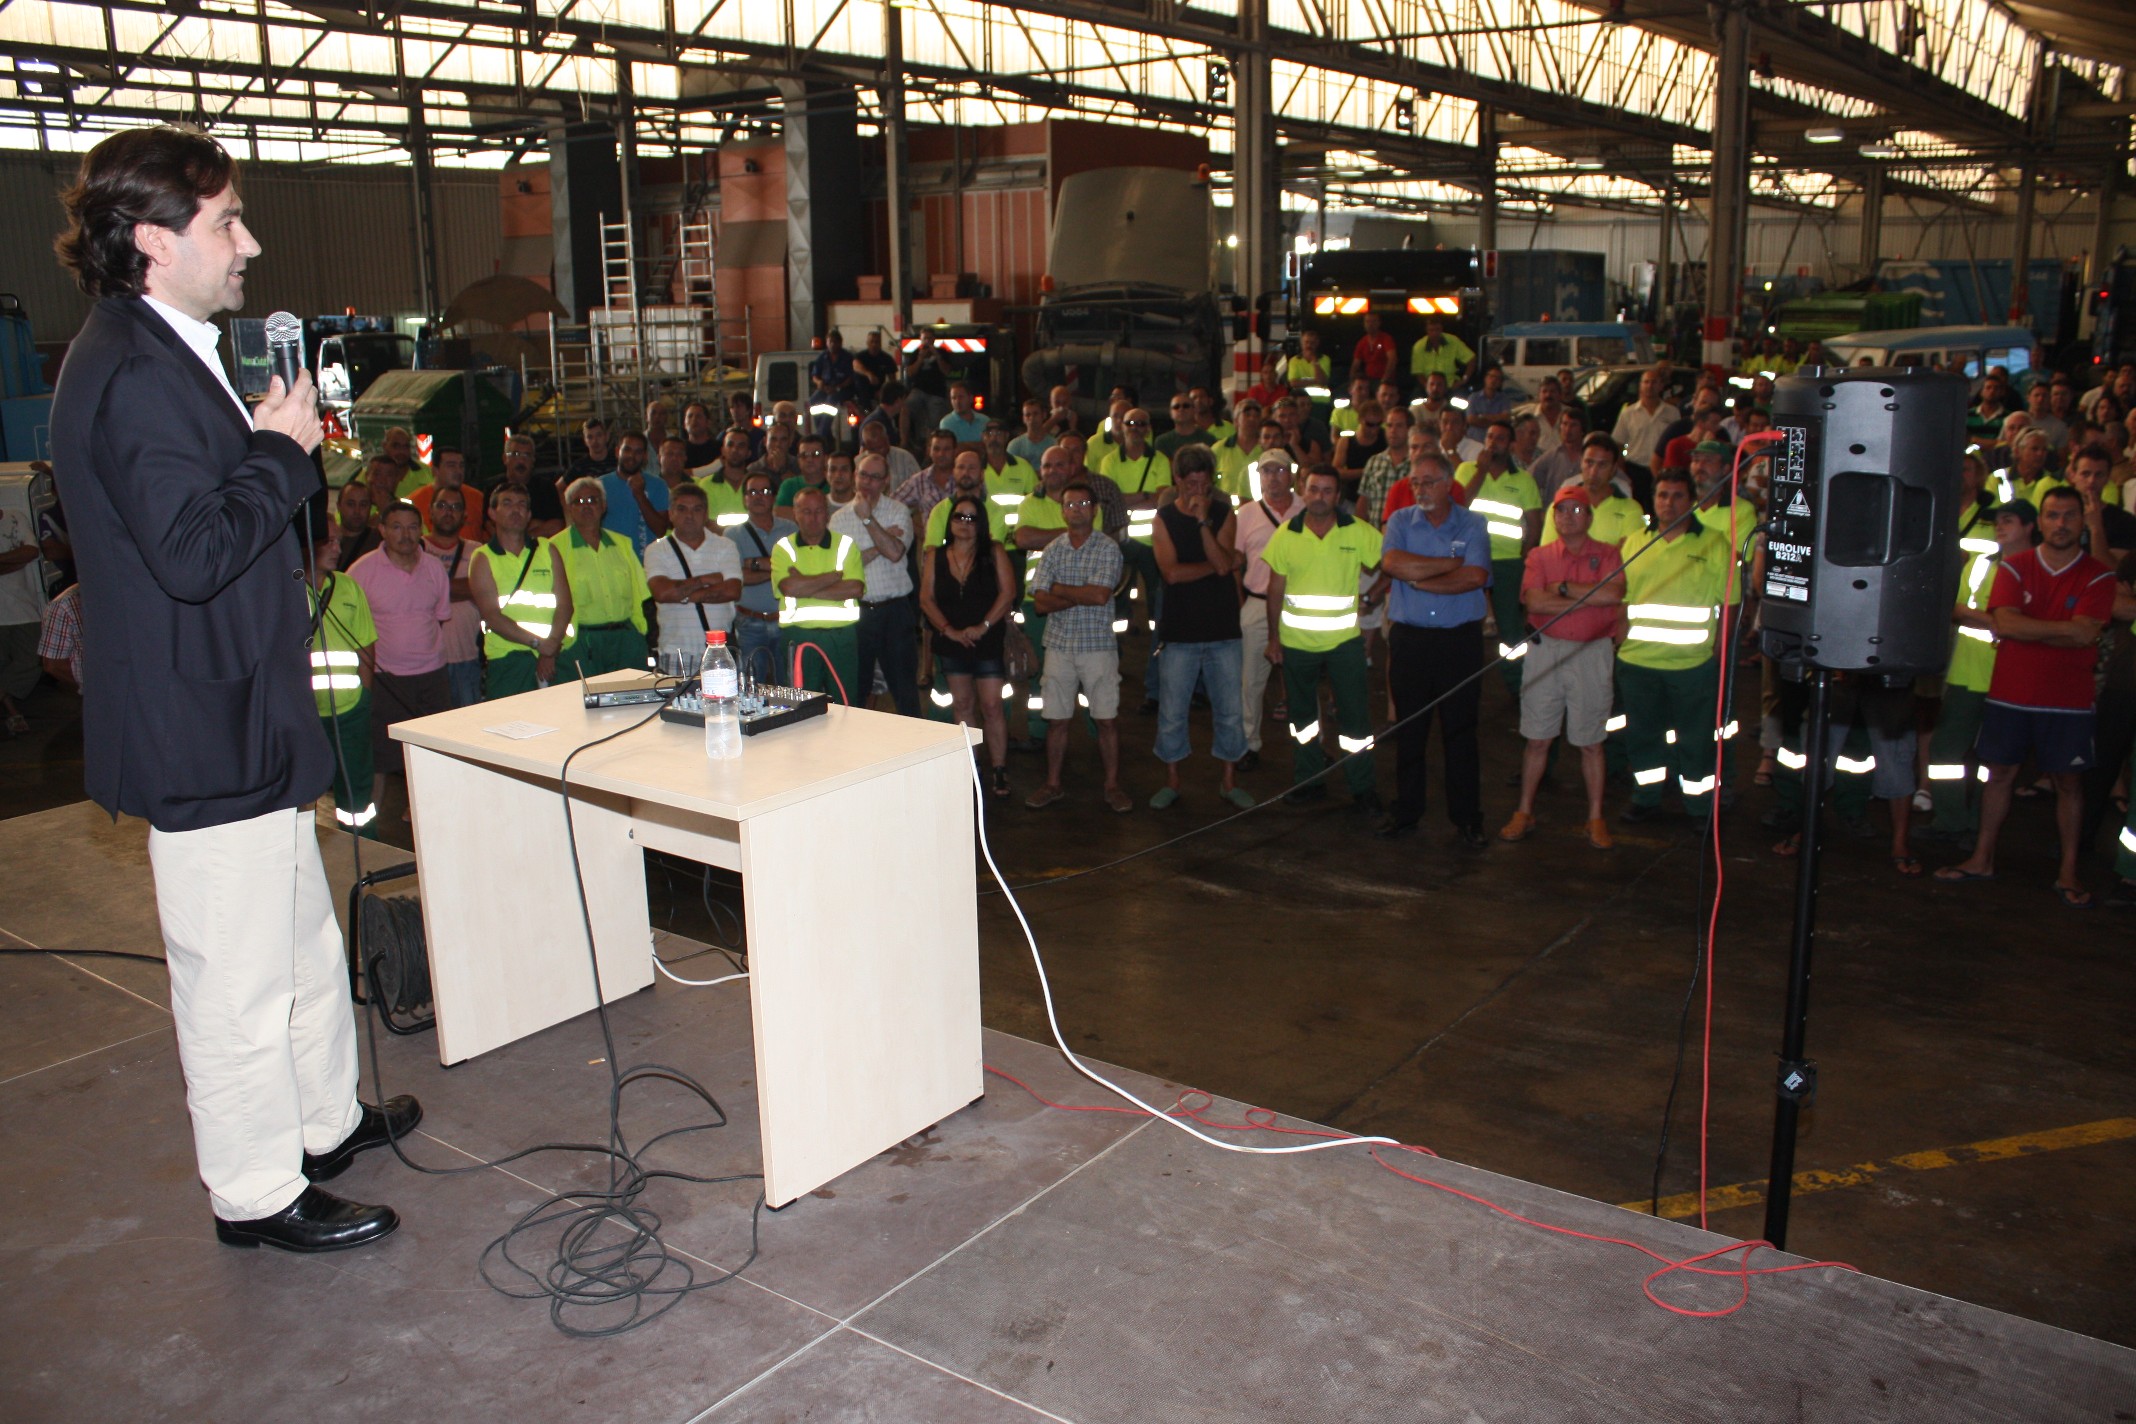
point(1195, 1104)
point(800, 648)
point(1713, 822)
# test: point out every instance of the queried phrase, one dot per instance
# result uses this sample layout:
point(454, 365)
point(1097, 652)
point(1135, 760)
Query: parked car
point(1967, 349)
point(1527, 351)
point(1606, 390)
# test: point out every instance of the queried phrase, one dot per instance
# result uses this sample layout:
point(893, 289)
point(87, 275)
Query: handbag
point(1019, 659)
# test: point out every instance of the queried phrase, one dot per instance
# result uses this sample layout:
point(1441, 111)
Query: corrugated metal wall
point(331, 238)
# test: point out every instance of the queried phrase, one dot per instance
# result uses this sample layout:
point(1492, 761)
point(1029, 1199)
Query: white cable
point(661, 965)
point(1046, 991)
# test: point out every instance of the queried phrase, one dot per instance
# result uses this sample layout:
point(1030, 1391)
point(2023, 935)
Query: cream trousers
point(260, 994)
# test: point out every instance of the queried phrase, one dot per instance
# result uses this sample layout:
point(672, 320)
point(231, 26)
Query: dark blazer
point(197, 707)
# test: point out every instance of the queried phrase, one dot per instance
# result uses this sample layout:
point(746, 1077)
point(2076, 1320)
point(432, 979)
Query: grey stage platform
point(1015, 1263)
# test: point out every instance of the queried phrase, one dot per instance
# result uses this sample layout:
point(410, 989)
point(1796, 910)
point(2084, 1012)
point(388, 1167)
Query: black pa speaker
point(1862, 556)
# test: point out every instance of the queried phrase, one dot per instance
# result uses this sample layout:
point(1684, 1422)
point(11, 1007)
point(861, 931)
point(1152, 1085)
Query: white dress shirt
point(205, 338)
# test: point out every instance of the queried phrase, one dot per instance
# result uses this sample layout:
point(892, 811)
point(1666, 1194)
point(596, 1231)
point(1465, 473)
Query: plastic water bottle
point(719, 684)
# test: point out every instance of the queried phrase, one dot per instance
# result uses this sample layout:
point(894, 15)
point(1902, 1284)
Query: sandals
point(1959, 875)
point(1907, 866)
point(2074, 897)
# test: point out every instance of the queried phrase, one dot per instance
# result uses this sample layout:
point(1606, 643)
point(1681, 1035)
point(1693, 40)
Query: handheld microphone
point(285, 348)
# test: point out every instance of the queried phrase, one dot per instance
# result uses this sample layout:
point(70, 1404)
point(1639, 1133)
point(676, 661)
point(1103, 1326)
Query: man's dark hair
point(158, 175)
point(2094, 452)
point(1679, 476)
point(1191, 458)
point(748, 480)
point(697, 405)
point(689, 489)
point(816, 440)
point(637, 435)
point(399, 506)
point(1322, 467)
point(443, 450)
point(2062, 492)
point(1073, 485)
point(891, 391)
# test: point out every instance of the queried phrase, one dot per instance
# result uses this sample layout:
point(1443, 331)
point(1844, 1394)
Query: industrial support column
point(1730, 186)
point(1872, 219)
point(1486, 178)
point(2021, 249)
point(423, 169)
point(1256, 188)
point(894, 185)
point(1665, 265)
point(822, 157)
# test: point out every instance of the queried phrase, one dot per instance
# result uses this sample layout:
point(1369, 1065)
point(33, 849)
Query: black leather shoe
point(1393, 829)
point(1634, 813)
point(1248, 762)
point(315, 1221)
point(1307, 794)
point(1472, 838)
point(397, 1118)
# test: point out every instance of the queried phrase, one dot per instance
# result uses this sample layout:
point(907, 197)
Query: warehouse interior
point(673, 199)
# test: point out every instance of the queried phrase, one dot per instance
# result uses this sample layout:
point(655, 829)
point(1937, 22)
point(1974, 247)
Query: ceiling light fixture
point(1825, 135)
point(1882, 148)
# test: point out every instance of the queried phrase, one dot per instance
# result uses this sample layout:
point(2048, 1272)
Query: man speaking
point(197, 710)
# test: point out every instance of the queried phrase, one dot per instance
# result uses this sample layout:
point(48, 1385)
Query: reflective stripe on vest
point(1500, 518)
point(820, 612)
point(325, 681)
point(1319, 612)
point(1646, 616)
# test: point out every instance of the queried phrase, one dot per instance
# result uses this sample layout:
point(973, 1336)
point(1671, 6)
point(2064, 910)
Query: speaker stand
point(1797, 1084)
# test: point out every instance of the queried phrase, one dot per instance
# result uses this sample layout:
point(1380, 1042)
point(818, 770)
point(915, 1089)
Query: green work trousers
point(1950, 746)
point(1658, 701)
point(509, 675)
point(1344, 666)
point(1512, 618)
point(348, 735)
point(841, 644)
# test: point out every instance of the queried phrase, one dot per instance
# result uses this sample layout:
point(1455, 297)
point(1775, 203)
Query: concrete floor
point(1518, 1010)
point(1011, 1262)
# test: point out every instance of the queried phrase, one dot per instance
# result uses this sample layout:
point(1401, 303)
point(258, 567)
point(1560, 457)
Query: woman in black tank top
point(966, 591)
point(1353, 448)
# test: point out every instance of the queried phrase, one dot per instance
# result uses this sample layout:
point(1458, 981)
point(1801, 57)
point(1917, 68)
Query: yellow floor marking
point(2028, 1144)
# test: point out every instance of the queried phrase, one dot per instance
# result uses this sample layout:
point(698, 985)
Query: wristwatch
point(1563, 589)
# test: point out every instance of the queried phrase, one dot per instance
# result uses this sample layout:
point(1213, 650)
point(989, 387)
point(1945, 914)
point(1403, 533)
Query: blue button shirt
point(623, 515)
point(1464, 537)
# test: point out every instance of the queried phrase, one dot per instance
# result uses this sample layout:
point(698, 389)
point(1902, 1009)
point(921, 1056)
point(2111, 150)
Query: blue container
point(21, 367)
point(26, 428)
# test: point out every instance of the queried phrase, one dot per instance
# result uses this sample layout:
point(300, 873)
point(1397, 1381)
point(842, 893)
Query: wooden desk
point(852, 833)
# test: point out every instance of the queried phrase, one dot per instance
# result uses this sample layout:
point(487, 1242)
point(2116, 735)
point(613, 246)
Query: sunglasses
point(966, 517)
point(586, 499)
point(1136, 424)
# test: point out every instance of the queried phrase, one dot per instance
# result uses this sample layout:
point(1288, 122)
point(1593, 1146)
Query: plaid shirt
point(1080, 628)
point(1381, 471)
point(921, 494)
point(61, 636)
point(1112, 504)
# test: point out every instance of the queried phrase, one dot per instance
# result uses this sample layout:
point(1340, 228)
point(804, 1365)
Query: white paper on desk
point(519, 731)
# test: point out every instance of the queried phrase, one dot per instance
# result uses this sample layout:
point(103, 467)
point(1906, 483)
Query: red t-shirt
point(1373, 357)
point(2034, 674)
point(1552, 564)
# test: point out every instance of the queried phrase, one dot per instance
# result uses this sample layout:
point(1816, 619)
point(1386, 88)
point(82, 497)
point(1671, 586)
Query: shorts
point(1567, 686)
point(1095, 675)
point(954, 661)
point(2060, 741)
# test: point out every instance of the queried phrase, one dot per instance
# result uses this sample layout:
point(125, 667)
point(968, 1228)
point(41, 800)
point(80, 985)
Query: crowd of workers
point(961, 565)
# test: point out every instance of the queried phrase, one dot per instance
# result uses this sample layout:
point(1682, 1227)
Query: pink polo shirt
point(410, 609)
point(1552, 564)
